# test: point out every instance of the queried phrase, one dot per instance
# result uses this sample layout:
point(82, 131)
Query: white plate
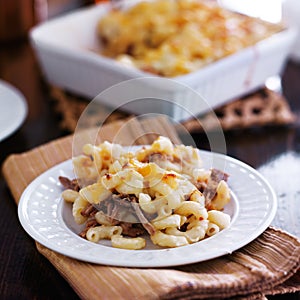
point(47, 219)
point(13, 109)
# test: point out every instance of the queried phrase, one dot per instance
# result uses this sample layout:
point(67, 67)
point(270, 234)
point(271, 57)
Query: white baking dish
point(66, 50)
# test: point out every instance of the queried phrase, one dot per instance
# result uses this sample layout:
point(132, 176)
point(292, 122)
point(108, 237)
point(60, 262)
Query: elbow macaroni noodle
point(169, 200)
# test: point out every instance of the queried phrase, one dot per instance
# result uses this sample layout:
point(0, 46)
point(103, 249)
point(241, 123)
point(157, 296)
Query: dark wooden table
point(24, 273)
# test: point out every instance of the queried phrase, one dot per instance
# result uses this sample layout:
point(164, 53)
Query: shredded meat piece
point(112, 206)
point(89, 224)
point(115, 212)
point(131, 202)
point(201, 186)
point(123, 200)
point(89, 211)
point(69, 184)
point(109, 207)
point(210, 191)
point(132, 230)
point(146, 224)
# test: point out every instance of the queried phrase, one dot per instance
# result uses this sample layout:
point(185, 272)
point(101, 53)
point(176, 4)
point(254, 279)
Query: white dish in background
point(13, 109)
point(48, 219)
point(65, 48)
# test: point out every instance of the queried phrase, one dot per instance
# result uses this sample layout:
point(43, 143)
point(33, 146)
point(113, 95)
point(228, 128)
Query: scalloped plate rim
point(210, 248)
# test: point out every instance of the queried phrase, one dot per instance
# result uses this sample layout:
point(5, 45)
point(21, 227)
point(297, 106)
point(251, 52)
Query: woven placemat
point(269, 265)
point(262, 108)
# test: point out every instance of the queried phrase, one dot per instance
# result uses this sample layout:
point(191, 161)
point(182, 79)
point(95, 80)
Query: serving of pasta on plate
point(159, 190)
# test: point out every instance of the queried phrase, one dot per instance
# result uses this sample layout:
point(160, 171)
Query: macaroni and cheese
point(161, 190)
point(176, 37)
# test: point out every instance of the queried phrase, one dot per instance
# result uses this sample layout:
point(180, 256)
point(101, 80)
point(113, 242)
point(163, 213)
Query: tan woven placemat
point(262, 108)
point(268, 265)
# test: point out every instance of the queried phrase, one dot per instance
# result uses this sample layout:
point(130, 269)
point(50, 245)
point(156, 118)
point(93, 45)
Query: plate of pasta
point(156, 205)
